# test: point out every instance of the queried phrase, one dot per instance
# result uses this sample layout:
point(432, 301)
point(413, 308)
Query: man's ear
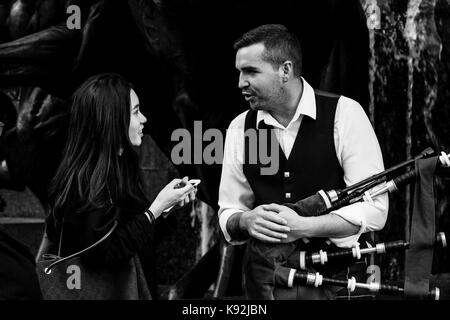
point(286, 70)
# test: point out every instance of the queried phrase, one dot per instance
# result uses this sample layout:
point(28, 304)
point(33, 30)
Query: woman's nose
point(143, 118)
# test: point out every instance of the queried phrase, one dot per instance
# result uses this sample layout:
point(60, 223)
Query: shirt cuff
point(151, 218)
point(223, 219)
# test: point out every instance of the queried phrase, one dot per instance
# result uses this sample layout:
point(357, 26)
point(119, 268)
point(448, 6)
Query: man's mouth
point(248, 96)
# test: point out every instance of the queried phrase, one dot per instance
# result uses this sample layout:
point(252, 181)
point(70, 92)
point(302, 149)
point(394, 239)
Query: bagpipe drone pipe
point(387, 181)
point(424, 240)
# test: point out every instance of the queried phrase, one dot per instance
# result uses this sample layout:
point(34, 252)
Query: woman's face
point(137, 120)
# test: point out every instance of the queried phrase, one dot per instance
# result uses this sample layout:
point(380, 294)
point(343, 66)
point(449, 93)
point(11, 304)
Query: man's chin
point(254, 107)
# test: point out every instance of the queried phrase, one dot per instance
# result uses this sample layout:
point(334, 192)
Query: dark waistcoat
point(312, 164)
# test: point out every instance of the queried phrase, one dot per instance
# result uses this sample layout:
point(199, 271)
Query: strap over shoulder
point(48, 269)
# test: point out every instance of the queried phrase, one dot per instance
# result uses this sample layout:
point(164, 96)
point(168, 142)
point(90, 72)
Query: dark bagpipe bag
point(419, 257)
point(70, 279)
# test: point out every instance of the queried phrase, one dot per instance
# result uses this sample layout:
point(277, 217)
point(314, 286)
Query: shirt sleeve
point(235, 193)
point(359, 154)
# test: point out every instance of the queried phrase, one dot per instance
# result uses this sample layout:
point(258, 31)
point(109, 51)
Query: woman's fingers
point(174, 183)
point(185, 190)
point(182, 190)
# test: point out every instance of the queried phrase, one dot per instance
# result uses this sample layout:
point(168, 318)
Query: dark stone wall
point(409, 65)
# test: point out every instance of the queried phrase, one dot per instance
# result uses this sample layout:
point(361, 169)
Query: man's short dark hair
point(280, 45)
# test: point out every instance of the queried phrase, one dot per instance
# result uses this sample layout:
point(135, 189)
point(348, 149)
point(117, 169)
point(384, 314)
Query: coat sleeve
point(82, 229)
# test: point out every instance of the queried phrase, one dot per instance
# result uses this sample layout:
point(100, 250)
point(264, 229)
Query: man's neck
point(286, 112)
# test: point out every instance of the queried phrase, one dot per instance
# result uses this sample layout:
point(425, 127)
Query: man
point(325, 142)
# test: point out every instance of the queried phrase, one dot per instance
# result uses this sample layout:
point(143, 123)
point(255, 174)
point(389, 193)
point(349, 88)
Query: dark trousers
point(265, 273)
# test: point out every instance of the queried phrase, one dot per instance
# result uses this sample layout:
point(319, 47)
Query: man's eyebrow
point(135, 107)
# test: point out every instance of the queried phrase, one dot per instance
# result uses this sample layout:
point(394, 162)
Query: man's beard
point(255, 103)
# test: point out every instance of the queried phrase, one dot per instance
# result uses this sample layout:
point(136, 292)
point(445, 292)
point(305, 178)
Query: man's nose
point(243, 82)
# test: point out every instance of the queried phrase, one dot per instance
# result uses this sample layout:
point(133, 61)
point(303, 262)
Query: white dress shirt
point(357, 151)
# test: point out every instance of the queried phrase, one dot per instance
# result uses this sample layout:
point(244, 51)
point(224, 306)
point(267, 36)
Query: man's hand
point(324, 226)
point(296, 223)
point(264, 224)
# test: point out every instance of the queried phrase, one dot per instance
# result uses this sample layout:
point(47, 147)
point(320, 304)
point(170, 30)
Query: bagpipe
point(387, 181)
point(419, 248)
point(316, 280)
point(322, 257)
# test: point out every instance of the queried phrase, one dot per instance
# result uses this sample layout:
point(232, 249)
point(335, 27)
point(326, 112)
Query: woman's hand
point(172, 195)
point(189, 198)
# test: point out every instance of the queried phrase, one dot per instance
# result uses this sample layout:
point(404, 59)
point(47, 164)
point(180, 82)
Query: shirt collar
point(306, 106)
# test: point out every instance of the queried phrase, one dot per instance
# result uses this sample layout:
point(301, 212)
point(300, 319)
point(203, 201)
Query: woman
point(98, 180)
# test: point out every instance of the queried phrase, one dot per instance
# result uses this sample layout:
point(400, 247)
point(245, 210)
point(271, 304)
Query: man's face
point(259, 81)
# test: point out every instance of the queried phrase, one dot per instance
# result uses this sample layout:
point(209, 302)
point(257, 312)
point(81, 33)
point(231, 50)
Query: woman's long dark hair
point(98, 161)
